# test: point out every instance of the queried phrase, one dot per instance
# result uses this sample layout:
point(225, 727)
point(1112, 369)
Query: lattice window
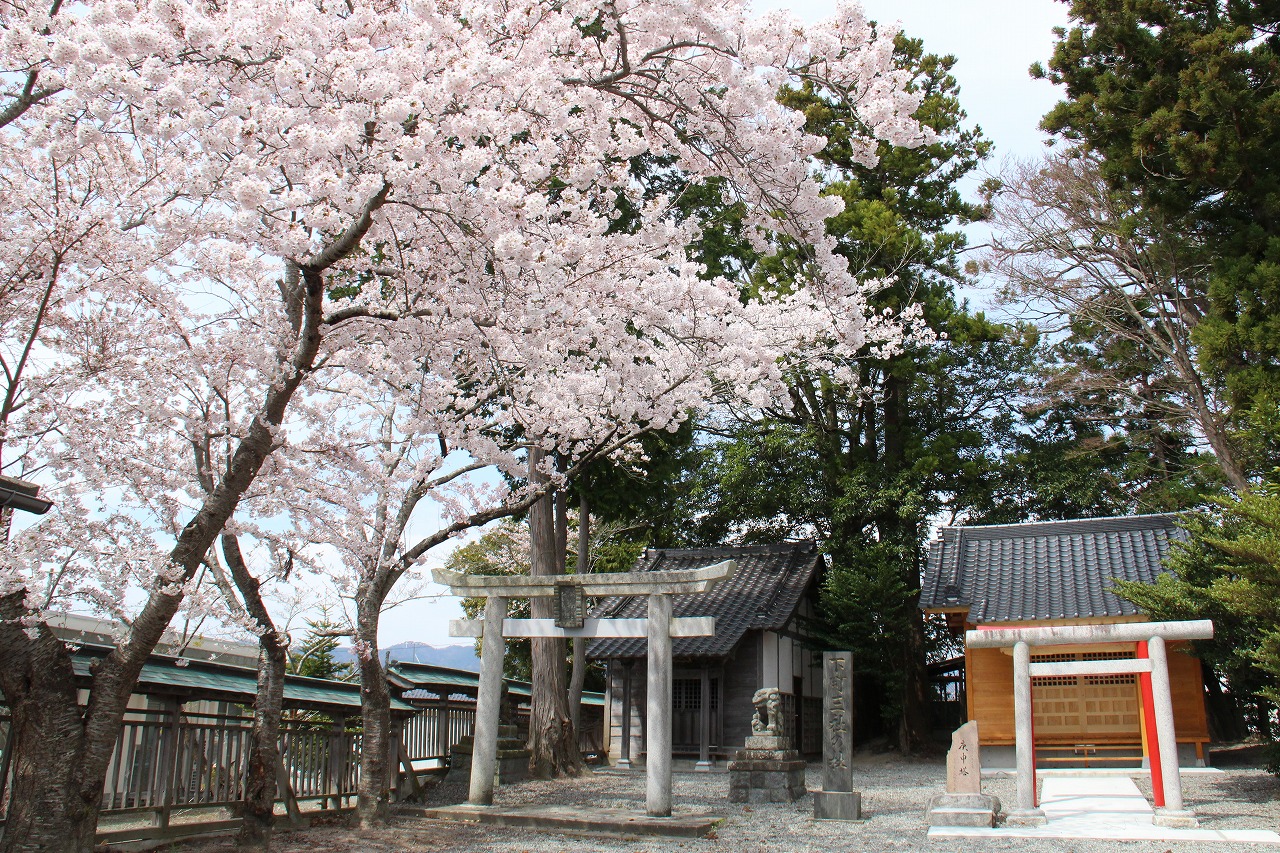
point(1059, 657)
point(686, 694)
point(1072, 705)
point(1113, 678)
point(1108, 656)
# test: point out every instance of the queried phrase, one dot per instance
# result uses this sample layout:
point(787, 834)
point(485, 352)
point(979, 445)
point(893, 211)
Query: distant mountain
point(455, 657)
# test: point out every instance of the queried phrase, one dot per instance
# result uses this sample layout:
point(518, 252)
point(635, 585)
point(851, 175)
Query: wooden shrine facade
point(1058, 574)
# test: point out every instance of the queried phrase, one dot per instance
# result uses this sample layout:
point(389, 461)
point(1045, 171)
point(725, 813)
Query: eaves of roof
point(193, 680)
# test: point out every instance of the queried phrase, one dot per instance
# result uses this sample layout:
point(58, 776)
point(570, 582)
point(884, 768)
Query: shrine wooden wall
point(989, 678)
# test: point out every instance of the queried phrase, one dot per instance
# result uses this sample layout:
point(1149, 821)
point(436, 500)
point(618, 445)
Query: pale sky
point(994, 42)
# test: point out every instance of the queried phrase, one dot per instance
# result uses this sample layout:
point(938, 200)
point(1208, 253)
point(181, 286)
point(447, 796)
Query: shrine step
point(572, 819)
point(1085, 755)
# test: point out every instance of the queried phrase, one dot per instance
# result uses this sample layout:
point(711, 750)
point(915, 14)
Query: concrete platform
point(1102, 808)
point(576, 819)
point(1046, 772)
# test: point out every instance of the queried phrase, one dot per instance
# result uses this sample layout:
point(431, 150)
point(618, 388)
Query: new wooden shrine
point(1051, 574)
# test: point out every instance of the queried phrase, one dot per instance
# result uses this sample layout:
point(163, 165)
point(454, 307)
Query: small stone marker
point(964, 771)
point(963, 804)
point(837, 800)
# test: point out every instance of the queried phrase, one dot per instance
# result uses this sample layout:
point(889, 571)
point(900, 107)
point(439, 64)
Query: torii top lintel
point(1058, 635)
point(609, 583)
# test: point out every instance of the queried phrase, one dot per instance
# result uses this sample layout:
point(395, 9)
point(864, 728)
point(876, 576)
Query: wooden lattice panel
point(1095, 706)
point(1110, 703)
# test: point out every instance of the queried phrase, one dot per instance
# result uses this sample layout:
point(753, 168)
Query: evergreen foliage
point(1180, 98)
point(313, 658)
point(863, 469)
point(1229, 571)
point(1178, 104)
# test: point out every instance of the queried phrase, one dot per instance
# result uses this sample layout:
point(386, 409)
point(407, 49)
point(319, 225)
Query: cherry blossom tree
point(286, 182)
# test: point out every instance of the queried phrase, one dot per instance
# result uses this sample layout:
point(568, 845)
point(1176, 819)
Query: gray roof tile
point(1045, 570)
point(763, 593)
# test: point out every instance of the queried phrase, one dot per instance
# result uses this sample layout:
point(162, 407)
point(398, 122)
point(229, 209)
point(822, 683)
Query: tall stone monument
point(964, 804)
point(837, 800)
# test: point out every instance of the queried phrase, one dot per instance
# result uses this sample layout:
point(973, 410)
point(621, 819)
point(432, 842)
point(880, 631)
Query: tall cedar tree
point(864, 470)
point(1180, 98)
point(877, 451)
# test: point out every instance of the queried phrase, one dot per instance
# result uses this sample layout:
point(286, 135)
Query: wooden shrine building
point(758, 612)
point(1060, 573)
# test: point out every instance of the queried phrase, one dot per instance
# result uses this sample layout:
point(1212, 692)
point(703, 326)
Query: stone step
point(962, 817)
point(575, 819)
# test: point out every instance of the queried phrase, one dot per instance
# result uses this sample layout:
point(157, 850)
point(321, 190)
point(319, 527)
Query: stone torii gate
point(570, 591)
point(1152, 667)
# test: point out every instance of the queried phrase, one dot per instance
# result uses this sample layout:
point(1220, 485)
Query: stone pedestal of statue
point(512, 758)
point(767, 770)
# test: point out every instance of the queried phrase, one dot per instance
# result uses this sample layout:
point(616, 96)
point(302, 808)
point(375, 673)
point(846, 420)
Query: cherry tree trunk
point(373, 804)
point(264, 747)
point(553, 742)
point(62, 752)
point(50, 809)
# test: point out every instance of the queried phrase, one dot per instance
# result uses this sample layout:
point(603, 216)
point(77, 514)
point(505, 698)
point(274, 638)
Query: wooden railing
point(165, 761)
point(431, 732)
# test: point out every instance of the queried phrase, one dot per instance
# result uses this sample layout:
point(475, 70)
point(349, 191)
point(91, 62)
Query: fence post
point(169, 735)
point(395, 746)
point(442, 729)
point(337, 762)
point(5, 760)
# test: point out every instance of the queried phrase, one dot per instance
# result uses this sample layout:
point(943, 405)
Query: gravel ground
point(894, 795)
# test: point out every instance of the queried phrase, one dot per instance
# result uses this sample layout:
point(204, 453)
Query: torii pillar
point(659, 629)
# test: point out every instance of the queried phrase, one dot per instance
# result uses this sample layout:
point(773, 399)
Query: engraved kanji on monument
point(964, 770)
point(963, 803)
point(837, 800)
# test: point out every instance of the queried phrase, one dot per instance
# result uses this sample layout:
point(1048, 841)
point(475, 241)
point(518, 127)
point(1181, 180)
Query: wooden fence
point(167, 760)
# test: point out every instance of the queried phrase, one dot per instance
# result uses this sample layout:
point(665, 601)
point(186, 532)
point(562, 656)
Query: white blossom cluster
point(171, 172)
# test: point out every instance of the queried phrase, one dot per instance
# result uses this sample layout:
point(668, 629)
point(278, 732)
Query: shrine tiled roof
point(1045, 570)
point(763, 593)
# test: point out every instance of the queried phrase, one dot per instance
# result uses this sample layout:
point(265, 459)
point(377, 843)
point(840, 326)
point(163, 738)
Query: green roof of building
point(196, 679)
point(427, 676)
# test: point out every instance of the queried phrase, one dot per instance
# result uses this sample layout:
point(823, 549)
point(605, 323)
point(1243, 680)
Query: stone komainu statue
point(768, 704)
